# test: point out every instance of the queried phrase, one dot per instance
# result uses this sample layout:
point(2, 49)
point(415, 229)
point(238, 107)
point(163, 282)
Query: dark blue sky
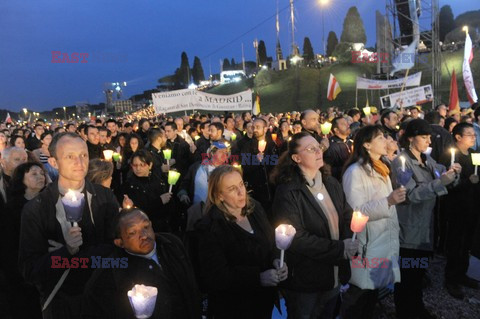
point(140, 41)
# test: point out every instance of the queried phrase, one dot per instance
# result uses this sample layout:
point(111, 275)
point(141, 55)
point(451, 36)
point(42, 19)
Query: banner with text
point(189, 99)
point(368, 84)
point(407, 98)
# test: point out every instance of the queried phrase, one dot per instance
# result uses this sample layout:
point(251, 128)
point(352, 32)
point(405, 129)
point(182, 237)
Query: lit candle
point(116, 156)
point(197, 137)
point(108, 154)
point(367, 111)
point(402, 159)
point(476, 161)
point(261, 146)
point(274, 137)
point(283, 238)
point(173, 177)
point(168, 155)
point(326, 127)
point(142, 299)
point(237, 166)
point(358, 223)
point(73, 203)
point(233, 137)
point(452, 160)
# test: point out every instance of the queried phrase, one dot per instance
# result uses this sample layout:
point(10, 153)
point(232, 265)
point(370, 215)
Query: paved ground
point(436, 297)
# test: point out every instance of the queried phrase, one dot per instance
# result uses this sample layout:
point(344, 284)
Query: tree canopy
point(308, 50)
point(353, 28)
point(332, 42)
point(447, 23)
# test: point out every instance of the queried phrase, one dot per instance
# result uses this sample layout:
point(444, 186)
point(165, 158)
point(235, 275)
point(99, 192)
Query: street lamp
point(65, 112)
point(323, 3)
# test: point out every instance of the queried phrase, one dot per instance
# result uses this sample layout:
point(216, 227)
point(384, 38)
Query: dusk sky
point(144, 40)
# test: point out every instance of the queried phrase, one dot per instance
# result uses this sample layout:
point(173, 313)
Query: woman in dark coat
point(316, 206)
point(149, 192)
point(236, 251)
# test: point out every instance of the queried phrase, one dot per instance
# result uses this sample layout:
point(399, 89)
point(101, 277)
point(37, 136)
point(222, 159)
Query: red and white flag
point(467, 72)
point(333, 88)
point(8, 119)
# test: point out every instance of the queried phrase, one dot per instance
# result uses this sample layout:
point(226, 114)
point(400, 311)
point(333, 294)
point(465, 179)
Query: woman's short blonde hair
point(99, 171)
point(213, 198)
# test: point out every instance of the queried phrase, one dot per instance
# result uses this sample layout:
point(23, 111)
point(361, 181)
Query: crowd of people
point(207, 240)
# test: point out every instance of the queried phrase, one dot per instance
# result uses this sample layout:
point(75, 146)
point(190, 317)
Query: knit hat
point(417, 127)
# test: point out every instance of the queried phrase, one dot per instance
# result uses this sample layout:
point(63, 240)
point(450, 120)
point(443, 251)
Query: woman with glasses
point(461, 205)
point(148, 191)
point(368, 188)
point(236, 251)
point(424, 181)
point(315, 205)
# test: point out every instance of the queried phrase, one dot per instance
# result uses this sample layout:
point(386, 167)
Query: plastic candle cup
point(233, 137)
point(326, 127)
point(274, 137)
point(167, 154)
point(402, 159)
point(197, 138)
point(367, 111)
point(173, 177)
point(476, 161)
point(359, 221)
point(261, 146)
point(237, 166)
point(73, 203)
point(116, 157)
point(284, 235)
point(142, 299)
point(108, 154)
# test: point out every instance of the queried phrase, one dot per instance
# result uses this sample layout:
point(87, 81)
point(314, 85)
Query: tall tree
point(183, 73)
point(226, 65)
point(197, 71)
point(308, 51)
point(262, 53)
point(332, 42)
point(353, 29)
point(447, 23)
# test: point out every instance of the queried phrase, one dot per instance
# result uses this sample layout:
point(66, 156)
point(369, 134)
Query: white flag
point(467, 72)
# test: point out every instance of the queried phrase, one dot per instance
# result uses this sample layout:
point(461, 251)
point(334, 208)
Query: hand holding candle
point(167, 154)
point(261, 146)
point(358, 223)
point(173, 177)
point(142, 299)
point(284, 235)
point(73, 203)
point(452, 160)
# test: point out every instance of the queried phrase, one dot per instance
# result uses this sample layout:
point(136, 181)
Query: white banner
point(188, 99)
point(367, 84)
point(467, 72)
point(407, 98)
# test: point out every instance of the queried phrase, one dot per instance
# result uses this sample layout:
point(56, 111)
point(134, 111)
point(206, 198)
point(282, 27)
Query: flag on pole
point(256, 106)
point(454, 101)
point(333, 88)
point(8, 119)
point(467, 72)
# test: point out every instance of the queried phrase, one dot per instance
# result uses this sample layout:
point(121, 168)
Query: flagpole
point(356, 97)
point(405, 81)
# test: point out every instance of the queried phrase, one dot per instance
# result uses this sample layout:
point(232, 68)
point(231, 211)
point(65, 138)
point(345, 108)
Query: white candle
point(142, 299)
point(283, 238)
point(261, 146)
point(476, 161)
point(402, 159)
point(452, 160)
point(73, 204)
point(358, 223)
point(108, 154)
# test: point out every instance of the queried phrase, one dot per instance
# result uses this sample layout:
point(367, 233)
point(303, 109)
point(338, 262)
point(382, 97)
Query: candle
point(168, 155)
point(402, 159)
point(142, 299)
point(452, 160)
point(173, 177)
point(196, 137)
point(326, 127)
point(283, 238)
point(233, 137)
point(116, 156)
point(274, 137)
point(358, 223)
point(261, 146)
point(107, 154)
point(367, 111)
point(237, 166)
point(476, 161)
point(73, 203)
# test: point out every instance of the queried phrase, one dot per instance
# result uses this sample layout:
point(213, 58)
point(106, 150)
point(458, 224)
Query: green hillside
point(302, 88)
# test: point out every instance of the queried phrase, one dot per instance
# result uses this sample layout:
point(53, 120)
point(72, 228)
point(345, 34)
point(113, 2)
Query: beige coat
point(367, 191)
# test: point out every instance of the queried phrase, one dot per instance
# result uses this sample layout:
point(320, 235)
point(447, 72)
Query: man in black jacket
point(389, 120)
point(34, 142)
point(442, 140)
point(180, 148)
point(157, 140)
point(203, 143)
point(153, 260)
point(46, 235)
point(340, 147)
point(93, 142)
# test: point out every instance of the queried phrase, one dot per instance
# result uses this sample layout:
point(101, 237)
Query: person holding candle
point(158, 140)
point(283, 135)
point(461, 205)
point(367, 186)
point(314, 204)
point(149, 192)
point(236, 249)
point(46, 233)
point(415, 216)
point(203, 143)
point(156, 260)
point(340, 146)
point(180, 149)
point(133, 144)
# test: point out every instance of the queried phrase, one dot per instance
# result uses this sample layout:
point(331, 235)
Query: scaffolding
point(400, 22)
